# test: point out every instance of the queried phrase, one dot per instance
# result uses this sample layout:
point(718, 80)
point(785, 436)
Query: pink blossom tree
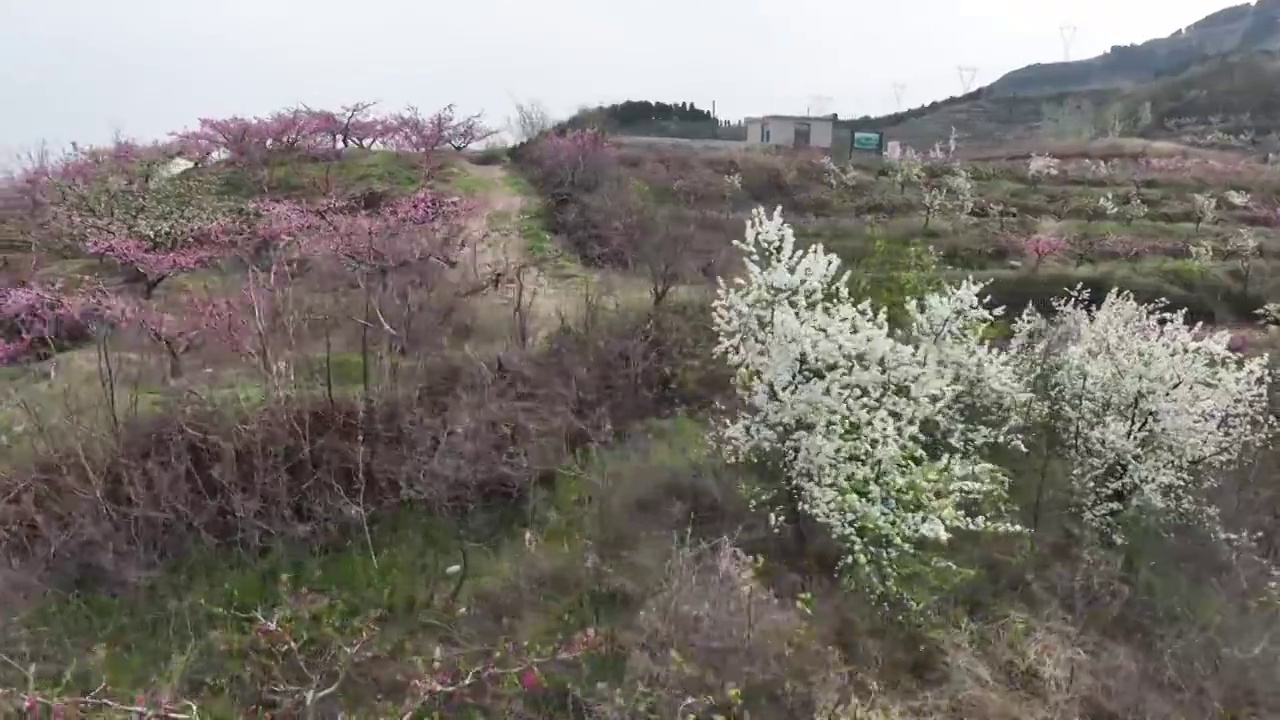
point(397, 256)
point(122, 206)
point(38, 319)
point(1038, 248)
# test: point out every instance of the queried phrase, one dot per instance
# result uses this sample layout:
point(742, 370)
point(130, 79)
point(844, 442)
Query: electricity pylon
point(818, 105)
point(1068, 33)
point(967, 75)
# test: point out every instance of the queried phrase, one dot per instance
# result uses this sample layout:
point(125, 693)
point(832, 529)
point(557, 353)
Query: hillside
point(1225, 103)
point(1216, 77)
point(1239, 29)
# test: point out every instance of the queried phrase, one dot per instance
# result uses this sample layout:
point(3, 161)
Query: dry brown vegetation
point(480, 520)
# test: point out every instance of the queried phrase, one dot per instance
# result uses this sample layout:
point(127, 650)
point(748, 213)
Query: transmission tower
point(967, 75)
point(899, 90)
point(1068, 33)
point(818, 105)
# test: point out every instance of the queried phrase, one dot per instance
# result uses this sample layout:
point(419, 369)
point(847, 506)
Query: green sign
point(866, 141)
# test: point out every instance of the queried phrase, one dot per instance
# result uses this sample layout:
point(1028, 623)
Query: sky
point(85, 70)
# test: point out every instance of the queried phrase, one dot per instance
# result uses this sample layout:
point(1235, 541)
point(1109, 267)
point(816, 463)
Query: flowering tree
point(1101, 208)
point(906, 168)
point(249, 142)
point(1040, 247)
point(1243, 246)
point(959, 185)
point(396, 255)
point(40, 318)
point(1237, 198)
point(1143, 407)
point(412, 131)
point(878, 435)
point(1133, 209)
point(130, 207)
point(935, 202)
point(1205, 208)
point(1040, 167)
point(838, 177)
point(177, 328)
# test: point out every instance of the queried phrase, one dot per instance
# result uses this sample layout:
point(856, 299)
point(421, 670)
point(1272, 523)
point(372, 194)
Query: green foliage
point(1186, 273)
point(642, 117)
point(894, 273)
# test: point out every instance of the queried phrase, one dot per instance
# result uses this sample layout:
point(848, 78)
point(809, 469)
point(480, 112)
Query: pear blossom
point(1040, 167)
point(879, 435)
point(1143, 407)
point(1205, 207)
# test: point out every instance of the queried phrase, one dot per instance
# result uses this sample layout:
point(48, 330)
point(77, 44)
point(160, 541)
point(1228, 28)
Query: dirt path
point(504, 234)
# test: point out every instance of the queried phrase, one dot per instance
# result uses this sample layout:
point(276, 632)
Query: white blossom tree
point(880, 436)
point(1144, 409)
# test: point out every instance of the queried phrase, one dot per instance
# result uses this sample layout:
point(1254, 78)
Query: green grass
point(459, 179)
point(357, 171)
point(517, 184)
point(532, 228)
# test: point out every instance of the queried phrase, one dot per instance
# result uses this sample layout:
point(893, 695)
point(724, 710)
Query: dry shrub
point(712, 641)
point(453, 433)
point(296, 467)
point(633, 365)
point(793, 180)
point(620, 207)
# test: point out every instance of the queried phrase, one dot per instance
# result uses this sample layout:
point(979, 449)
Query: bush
point(495, 155)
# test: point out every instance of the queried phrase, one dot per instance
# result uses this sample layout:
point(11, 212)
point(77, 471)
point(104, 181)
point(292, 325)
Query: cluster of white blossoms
point(882, 435)
point(886, 436)
point(1142, 407)
point(1040, 167)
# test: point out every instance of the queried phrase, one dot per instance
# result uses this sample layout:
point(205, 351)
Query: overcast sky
point(82, 69)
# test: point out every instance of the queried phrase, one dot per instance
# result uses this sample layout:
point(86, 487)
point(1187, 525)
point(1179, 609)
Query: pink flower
point(529, 679)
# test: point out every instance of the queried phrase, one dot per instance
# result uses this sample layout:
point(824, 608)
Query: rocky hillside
point(1239, 29)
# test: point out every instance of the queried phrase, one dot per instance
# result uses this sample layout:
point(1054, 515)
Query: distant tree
point(639, 113)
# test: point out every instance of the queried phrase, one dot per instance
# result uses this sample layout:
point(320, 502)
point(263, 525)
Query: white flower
point(453, 570)
point(176, 166)
point(1144, 407)
point(881, 436)
point(840, 177)
point(1237, 198)
point(1205, 208)
point(1042, 166)
point(960, 185)
point(1243, 243)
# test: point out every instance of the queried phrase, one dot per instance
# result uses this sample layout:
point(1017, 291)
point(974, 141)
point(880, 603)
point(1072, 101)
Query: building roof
point(801, 118)
point(847, 124)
